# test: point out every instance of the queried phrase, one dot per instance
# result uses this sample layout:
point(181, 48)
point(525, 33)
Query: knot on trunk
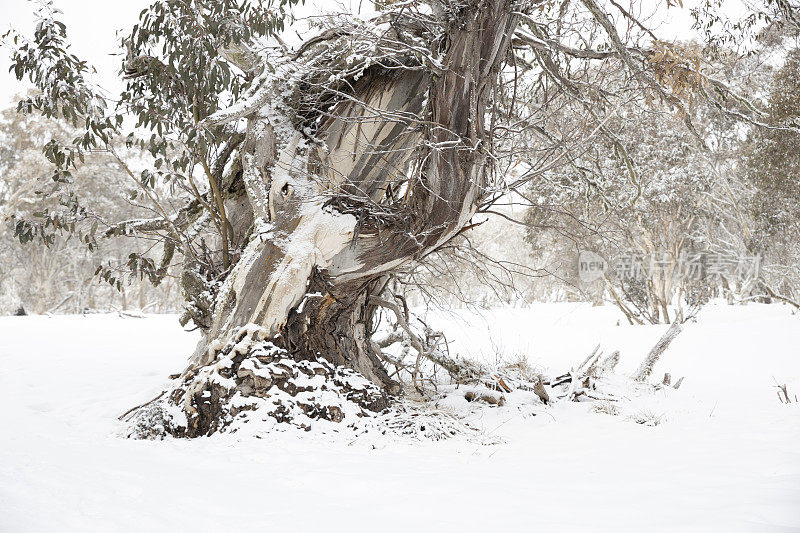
point(250, 382)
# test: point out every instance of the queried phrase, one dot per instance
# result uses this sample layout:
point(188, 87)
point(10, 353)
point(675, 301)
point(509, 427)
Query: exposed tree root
point(251, 379)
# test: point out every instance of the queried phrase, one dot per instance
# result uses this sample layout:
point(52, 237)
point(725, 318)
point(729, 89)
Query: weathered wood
point(454, 170)
point(649, 362)
point(309, 197)
point(336, 324)
point(272, 275)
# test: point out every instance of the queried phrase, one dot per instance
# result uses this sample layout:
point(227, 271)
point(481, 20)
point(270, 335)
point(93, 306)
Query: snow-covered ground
point(724, 457)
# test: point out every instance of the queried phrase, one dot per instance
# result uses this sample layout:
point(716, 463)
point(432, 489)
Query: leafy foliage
point(176, 76)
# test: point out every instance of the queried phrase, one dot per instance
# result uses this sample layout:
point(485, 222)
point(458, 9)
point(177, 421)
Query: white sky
point(92, 27)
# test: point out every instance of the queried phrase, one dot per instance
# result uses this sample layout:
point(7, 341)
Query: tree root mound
point(252, 381)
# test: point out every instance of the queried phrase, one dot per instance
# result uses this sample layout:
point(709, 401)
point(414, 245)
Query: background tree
point(772, 168)
point(666, 203)
point(57, 275)
point(652, 188)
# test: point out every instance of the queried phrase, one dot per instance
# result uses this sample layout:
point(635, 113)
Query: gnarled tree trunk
point(349, 183)
point(334, 231)
point(337, 325)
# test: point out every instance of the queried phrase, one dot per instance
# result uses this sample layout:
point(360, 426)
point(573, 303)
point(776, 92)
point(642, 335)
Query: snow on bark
point(293, 232)
point(646, 368)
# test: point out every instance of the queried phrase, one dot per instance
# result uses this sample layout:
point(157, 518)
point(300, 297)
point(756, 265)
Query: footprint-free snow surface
point(724, 455)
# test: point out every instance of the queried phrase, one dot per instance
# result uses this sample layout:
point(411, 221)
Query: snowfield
point(724, 455)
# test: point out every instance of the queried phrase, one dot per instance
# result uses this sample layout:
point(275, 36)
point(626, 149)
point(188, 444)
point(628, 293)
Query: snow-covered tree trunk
point(328, 226)
point(345, 180)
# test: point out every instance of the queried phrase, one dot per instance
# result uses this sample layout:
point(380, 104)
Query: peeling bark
point(325, 237)
point(335, 323)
